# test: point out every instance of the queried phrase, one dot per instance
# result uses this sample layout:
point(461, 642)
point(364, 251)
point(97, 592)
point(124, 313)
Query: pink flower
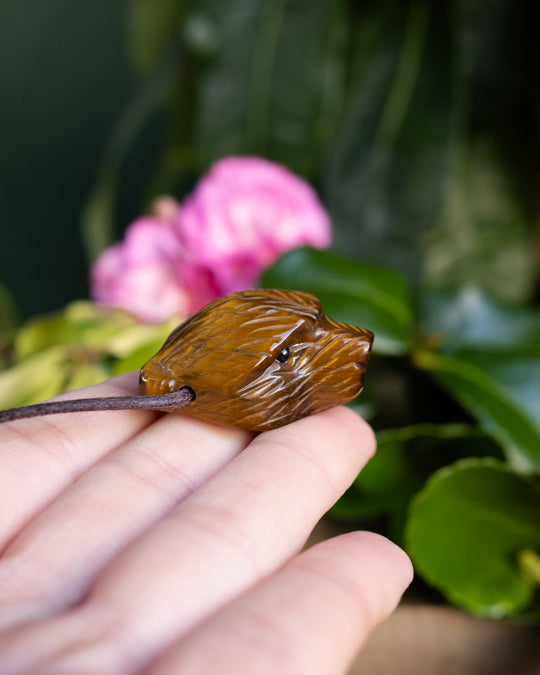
point(142, 273)
point(244, 214)
point(241, 216)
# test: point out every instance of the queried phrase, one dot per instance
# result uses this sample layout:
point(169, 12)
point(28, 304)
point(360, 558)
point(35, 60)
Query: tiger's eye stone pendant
point(260, 359)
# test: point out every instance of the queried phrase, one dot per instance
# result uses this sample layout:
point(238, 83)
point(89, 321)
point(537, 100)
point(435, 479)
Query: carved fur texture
point(260, 359)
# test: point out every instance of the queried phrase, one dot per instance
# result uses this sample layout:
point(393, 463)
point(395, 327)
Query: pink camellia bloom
point(244, 214)
point(142, 274)
point(241, 216)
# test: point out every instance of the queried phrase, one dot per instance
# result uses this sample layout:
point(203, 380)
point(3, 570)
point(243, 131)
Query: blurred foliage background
point(418, 124)
point(65, 79)
point(416, 120)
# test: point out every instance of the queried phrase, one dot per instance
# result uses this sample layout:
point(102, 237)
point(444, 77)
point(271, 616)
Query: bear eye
point(283, 356)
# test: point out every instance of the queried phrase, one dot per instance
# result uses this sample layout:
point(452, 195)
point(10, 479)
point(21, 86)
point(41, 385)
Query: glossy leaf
point(502, 393)
point(519, 374)
point(468, 318)
point(466, 531)
point(363, 295)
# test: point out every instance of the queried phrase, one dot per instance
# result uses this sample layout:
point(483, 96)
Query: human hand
point(134, 543)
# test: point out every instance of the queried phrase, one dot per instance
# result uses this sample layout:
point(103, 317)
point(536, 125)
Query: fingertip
point(385, 565)
point(393, 556)
point(310, 617)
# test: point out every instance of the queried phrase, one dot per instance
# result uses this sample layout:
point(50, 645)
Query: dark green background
point(64, 79)
point(417, 121)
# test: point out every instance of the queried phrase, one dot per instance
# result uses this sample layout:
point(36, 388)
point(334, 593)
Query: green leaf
point(465, 533)
point(36, 378)
point(81, 345)
point(265, 91)
point(470, 319)
point(83, 374)
point(529, 562)
point(46, 374)
point(501, 392)
point(98, 329)
point(388, 165)
point(140, 355)
point(484, 236)
point(521, 378)
point(352, 292)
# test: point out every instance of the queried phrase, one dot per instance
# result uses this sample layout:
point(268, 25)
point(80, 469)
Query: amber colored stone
point(260, 359)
